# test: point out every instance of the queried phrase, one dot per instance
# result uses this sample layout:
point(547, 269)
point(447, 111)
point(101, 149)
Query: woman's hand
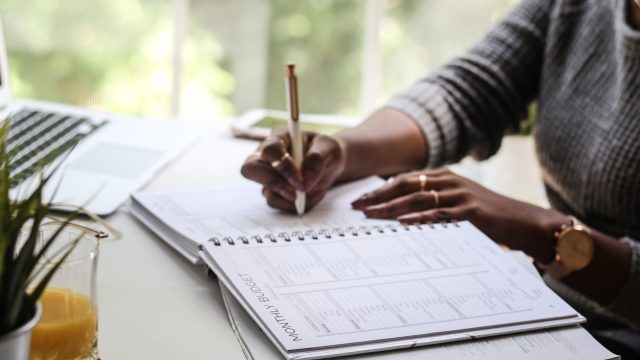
point(446, 196)
point(274, 168)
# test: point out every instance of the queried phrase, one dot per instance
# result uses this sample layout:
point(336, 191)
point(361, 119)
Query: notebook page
point(331, 292)
point(233, 211)
point(567, 343)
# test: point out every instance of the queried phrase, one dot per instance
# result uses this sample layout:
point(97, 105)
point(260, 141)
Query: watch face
point(575, 248)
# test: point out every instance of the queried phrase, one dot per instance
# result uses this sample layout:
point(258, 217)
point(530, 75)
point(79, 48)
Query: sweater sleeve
point(625, 305)
point(468, 105)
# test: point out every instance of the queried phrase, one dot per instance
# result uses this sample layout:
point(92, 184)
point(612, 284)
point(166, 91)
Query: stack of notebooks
point(332, 283)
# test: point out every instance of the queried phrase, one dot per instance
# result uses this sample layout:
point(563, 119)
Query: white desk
point(154, 304)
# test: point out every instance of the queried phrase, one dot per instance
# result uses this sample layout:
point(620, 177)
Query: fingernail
point(291, 196)
point(359, 202)
point(405, 219)
point(372, 210)
point(309, 183)
point(296, 183)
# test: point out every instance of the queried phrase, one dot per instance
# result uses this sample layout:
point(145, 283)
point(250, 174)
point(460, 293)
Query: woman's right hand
point(273, 167)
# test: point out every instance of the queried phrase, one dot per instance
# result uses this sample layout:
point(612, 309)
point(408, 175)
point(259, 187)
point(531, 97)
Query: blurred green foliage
point(116, 55)
point(324, 39)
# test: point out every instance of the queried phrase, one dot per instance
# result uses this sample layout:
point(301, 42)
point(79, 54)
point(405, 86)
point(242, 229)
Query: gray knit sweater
point(581, 61)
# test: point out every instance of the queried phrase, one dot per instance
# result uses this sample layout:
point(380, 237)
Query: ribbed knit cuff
point(425, 103)
point(630, 36)
point(627, 304)
point(428, 125)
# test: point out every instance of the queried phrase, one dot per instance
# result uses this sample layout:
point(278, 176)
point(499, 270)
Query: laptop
point(101, 158)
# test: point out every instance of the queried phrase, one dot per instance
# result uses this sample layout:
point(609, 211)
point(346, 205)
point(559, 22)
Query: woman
point(580, 60)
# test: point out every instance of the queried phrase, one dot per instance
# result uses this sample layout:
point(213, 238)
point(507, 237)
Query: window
point(205, 58)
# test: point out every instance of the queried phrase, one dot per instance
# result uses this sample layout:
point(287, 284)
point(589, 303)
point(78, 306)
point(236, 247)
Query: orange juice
point(67, 328)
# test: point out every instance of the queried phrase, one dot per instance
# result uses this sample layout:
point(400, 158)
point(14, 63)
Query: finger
point(275, 145)
point(436, 172)
point(288, 169)
point(275, 152)
point(286, 191)
point(432, 215)
point(313, 198)
point(313, 169)
point(411, 203)
point(307, 139)
point(317, 160)
point(278, 202)
point(260, 172)
point(400, 186)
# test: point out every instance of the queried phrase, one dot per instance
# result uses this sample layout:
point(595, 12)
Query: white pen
point(291, 84)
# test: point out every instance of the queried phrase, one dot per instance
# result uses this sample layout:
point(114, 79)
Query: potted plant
point(22, 278)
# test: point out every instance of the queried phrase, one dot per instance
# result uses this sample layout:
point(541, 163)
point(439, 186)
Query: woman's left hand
point(445, 196)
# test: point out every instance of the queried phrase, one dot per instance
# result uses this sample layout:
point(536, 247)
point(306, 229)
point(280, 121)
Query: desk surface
point(154, 304)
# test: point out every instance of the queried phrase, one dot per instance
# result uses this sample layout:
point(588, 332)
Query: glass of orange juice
point(68, 327)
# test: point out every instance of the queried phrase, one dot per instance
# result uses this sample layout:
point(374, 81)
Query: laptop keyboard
point(36, 138)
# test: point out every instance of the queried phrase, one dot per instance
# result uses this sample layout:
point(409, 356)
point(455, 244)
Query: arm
point(468, 105)
point(369, 150)
point(609, 270)
point(464, 108)
point(612, 278)
point(610, 284)
point(355, 153)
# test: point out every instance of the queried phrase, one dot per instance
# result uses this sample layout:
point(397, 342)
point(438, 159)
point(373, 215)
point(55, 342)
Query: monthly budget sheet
point(378, 286)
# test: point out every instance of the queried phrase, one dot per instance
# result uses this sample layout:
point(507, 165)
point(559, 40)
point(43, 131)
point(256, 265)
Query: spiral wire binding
point(328, 233)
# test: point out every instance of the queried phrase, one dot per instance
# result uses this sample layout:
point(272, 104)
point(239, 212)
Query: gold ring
point(436, 198)
point(277, 163)
point(423, 182)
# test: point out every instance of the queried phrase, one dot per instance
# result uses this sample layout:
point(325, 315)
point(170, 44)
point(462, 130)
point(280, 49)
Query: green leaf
point(20, 253)
point(37, 291)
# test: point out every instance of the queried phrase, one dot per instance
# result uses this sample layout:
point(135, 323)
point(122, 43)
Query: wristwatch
point(574, 248)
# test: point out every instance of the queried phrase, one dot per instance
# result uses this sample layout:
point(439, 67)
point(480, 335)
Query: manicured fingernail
point(311, 172)
point(309, 182)
point(372, 210)
point(296, 183)
point(289, 195)
point(405, 219)
point(359, 202)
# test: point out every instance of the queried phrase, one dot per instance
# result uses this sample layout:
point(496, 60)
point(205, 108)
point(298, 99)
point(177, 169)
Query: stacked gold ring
point(436, 198)
point(277, 163)
point(422, 178)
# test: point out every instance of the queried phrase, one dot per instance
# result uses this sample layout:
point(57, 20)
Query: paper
point(333, 282)
point(569, 343)
point(358, 289)
point(197, 215)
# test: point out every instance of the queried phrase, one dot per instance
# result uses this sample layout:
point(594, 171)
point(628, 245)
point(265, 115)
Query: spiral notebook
point(333, 283)
point(567, 343)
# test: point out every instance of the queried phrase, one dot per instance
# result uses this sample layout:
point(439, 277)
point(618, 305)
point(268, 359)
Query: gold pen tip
point(291, 70)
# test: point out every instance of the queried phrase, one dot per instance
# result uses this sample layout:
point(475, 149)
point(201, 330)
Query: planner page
point(239, 210)
point(566, 343)
point(351, 289)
